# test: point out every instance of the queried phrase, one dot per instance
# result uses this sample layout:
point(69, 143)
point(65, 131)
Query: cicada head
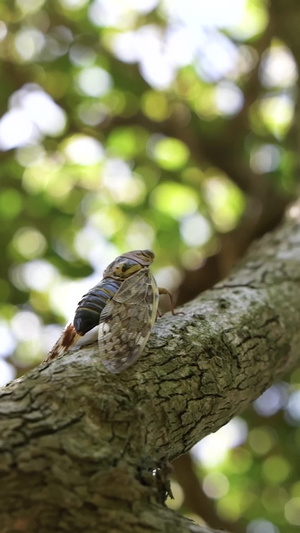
point(129, 263)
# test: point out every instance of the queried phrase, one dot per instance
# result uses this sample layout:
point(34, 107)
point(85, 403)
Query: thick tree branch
point(79, 445)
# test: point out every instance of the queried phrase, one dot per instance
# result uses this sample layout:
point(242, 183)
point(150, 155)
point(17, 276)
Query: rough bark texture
point(79, 445)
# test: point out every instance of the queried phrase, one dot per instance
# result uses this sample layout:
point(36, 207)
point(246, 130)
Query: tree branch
point(79, 446)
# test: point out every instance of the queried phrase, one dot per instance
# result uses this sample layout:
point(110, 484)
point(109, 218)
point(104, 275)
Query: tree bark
point(85, 450)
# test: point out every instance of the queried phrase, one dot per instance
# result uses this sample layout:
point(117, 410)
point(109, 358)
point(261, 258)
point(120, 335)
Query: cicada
point(124, 306)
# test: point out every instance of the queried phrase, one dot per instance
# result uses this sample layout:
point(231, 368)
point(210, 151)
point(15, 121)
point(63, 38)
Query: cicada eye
point(126, 268)
point(122, 267)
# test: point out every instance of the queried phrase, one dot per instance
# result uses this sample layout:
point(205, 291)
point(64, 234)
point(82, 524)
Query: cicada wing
point(126, 321)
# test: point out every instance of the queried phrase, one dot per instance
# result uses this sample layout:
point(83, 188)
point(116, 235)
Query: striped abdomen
point(89, 309)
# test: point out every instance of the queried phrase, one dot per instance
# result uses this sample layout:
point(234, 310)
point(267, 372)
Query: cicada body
point(124, 305)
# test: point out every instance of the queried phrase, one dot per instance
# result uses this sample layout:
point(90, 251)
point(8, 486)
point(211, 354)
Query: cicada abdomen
point(124, 304)
point(87, 315)
point(90, 307)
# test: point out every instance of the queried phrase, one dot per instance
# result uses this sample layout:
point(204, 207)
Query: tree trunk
point(85, 450)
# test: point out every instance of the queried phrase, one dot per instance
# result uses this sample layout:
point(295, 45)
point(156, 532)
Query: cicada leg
point(165, 291)
point(158, 313)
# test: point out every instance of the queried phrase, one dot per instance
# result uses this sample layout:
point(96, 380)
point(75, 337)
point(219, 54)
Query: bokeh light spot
point(195, 230)
point(29, 242)
point(28, 43)
point(276, 469)
point(127, 142)
point(94, 81)
point(213, 449)
point(174, 199)
point(261, 440)
point(16, 129)
point(265, 158)
point(7, 372)
point(215, 485)
point(292, 511)
point(261, 526)
point(170, 153)
point(155, 105)
point(271, 401)
point(84, 150)
point(225, 199)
